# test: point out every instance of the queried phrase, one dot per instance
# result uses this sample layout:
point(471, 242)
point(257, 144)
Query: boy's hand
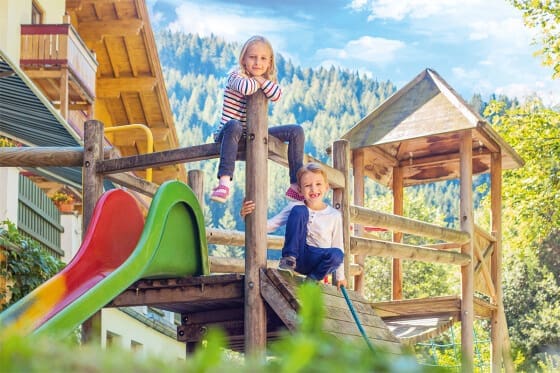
point(340, 283)
point(247, 208)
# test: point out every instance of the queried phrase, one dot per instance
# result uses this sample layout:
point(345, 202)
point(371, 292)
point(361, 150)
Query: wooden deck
point(218, 300)
point(416, 320)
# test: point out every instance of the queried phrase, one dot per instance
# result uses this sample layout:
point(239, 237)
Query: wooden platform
point(416, 320)
point(218, 300)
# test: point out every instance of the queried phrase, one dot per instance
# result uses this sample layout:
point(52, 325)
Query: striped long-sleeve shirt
point(237, 89)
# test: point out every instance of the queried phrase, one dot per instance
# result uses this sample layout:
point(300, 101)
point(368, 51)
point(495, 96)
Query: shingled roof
point(419, 129)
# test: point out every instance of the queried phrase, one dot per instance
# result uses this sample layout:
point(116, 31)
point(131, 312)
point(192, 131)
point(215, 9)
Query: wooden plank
point(285, 285)
point(403, 224)
point(255, 223)
point(341, 198)
point(387, 249)
point(196, 288)
point(280, 305)
point(467, 271)
point(134, 183)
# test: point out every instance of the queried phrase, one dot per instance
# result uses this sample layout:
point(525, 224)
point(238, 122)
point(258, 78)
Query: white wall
point(71, 239)
point(130, 331)
point(14, 13)
point(9, 194)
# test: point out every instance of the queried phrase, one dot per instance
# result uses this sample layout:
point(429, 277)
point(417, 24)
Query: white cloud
point(233, 22)
point(367, 49)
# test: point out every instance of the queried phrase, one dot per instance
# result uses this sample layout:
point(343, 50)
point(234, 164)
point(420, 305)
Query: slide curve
point(118, 249)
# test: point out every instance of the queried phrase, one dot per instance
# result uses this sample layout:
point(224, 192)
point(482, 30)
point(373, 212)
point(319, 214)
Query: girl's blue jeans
point(232, 133)
point(315, 262)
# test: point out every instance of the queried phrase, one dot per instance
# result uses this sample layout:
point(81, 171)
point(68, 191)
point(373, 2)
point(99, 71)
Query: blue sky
point(477, 46)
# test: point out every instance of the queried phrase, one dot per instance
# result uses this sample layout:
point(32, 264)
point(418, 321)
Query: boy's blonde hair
point(311, 167)
point(270, 74)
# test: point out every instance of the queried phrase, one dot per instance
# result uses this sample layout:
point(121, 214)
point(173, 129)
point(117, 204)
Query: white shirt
point(324, 228)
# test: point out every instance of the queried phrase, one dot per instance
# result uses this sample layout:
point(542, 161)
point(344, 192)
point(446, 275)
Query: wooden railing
point(54, 46)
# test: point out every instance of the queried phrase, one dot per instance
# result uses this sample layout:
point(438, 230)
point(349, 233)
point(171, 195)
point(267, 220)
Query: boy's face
point(313, 187)
point(257, 59)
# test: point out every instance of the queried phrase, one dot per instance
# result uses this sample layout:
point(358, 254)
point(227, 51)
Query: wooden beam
point(237, 238)
point(406, 225)
point(134, 183)
point(398, 210)
point(235, 265)
point(341, 197)
point(467, 271)
point(358, 167)
point(44, 156)
point(97, 30)
point(388, 249)
point(113, 87)
point(255, 233)
point(278, 303)
point(156, 296)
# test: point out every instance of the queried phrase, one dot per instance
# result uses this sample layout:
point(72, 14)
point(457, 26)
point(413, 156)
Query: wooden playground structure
point(423, 133)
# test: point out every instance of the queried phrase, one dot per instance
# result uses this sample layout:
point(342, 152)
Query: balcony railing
point(54, 46)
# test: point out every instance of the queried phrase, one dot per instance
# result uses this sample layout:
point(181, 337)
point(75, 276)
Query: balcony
point(59, 62)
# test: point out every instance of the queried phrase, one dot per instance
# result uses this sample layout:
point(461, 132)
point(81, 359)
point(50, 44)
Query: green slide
point(172, 244)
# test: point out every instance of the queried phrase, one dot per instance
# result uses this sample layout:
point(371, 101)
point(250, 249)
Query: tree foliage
point(545, 17)
point(531, 203)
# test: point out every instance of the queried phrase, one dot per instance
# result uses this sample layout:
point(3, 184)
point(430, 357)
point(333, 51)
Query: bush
point(28, 265)
point(308, 350)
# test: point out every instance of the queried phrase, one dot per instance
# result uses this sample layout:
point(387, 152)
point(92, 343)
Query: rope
point(356, 319)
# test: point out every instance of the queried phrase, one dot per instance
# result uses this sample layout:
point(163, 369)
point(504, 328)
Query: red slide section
point(112, 235)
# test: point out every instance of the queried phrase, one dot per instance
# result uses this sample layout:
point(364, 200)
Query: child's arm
point(245, 86)
point(274, 222)
point(271, 90)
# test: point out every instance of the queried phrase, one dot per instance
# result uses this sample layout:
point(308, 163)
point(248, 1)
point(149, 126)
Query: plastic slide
point(118, 249)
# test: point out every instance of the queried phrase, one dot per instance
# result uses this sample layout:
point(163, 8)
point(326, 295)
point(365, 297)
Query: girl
point(257, 70)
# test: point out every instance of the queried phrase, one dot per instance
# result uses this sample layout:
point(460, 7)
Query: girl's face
point(257, 59)
point(313, 187)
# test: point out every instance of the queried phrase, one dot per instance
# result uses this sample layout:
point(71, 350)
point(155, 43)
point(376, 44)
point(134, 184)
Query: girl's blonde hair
point(311, 167)
point(270, 74)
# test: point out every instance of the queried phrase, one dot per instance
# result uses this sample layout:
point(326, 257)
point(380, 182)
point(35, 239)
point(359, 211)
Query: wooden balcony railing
point(55, 46)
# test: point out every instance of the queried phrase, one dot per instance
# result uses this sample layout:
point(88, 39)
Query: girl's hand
point(260, 80)
point(247, 208)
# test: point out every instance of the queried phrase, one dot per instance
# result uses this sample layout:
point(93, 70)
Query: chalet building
point(61, 63)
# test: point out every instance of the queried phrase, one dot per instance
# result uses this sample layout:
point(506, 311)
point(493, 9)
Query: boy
point(313, 229)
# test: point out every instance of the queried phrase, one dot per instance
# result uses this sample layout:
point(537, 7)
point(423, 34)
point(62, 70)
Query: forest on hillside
point(327, 103)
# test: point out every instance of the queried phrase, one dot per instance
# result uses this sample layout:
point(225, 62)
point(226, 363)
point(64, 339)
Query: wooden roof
point(419, 129)
point(130, 87)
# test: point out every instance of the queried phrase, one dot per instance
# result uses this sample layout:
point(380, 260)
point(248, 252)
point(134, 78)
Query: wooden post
point(196, 182)
point(398, 209)
point(92, 188)
point(64, 93)
point(499, 337)
point(341, 196)
point(92, 181)
point(255, 233)
point(467, 271)
point(358, 168)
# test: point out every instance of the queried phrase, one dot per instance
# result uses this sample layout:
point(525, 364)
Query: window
point(136, 346)
point(113, 339)
point(36, 14)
